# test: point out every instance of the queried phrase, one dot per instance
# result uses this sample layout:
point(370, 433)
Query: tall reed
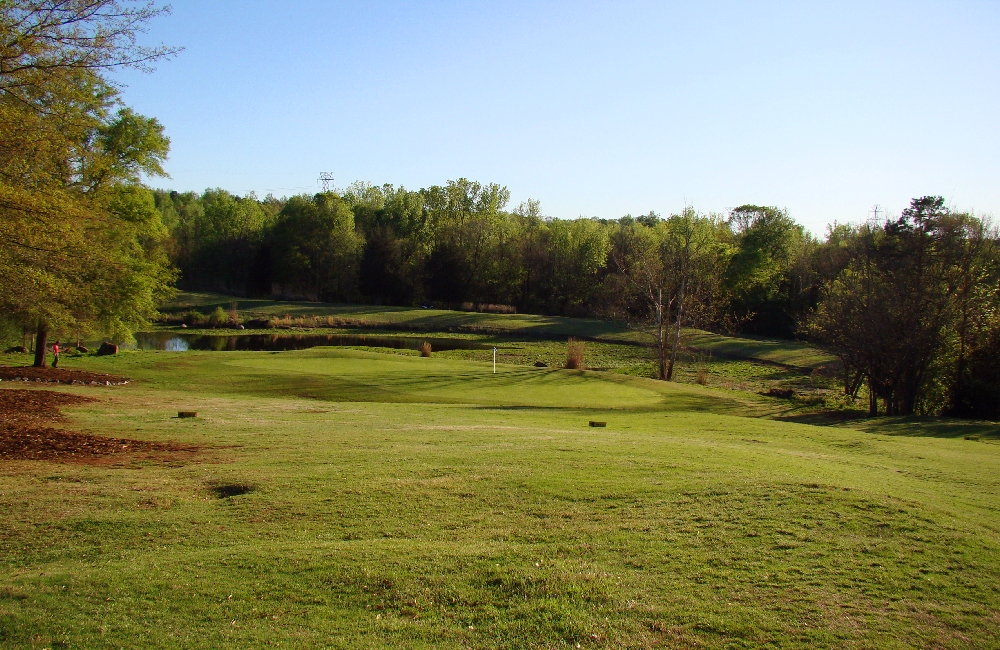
point(574, 354)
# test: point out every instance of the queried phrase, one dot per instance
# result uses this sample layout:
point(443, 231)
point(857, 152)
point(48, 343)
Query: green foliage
point(918, 294)
point(80, 241)
point(218, 317)
point(316, 248)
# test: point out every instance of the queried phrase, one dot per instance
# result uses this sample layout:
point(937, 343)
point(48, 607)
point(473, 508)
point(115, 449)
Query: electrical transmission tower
point(326, 178)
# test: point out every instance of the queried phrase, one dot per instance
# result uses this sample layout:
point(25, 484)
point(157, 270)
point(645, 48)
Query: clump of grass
point(425, 349)
point(574, 354)
point(489, 308)
point(702, 377)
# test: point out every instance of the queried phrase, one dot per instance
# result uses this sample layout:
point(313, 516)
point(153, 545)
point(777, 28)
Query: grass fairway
point(409, 502)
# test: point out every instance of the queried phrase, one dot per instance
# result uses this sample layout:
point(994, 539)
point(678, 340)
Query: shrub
point(218, 318)
point(233, 315)
point(702, 376)
point(425, 349)
point(193, 318)
point(574, 354)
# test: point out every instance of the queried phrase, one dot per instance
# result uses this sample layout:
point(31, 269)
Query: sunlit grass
point(416, 502)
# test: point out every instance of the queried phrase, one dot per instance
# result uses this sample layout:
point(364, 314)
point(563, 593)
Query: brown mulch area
point(60, 375)
point(24, 434)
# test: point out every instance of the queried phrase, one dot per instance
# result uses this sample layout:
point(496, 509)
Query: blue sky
point(593, 108)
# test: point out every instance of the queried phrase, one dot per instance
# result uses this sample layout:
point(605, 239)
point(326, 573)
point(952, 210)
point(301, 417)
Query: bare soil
point(59, 375)
point(26, 434)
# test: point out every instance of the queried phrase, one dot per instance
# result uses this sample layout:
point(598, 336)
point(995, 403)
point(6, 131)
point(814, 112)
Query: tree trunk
point(660, 351)
point(872, 397)
point(677, 333)
point(40, 337)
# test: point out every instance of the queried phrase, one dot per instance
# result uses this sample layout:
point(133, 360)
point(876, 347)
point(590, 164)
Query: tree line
point(459, 243)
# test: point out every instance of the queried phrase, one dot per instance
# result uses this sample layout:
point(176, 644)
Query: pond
point(182, 342)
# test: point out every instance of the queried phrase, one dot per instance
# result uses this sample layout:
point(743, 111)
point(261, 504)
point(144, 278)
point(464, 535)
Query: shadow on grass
point(929, 427)
point(933, 427)
point(823, 418)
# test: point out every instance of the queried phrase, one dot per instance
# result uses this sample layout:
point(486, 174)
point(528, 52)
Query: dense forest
point(909, 304)
point(458, 243)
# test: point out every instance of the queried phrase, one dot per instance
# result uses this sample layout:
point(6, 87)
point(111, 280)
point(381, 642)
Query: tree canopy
point(80, 238)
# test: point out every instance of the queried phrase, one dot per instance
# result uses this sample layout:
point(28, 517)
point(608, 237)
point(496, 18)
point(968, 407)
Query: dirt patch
point(26, 434)
point(226, 490)
point(60, 376)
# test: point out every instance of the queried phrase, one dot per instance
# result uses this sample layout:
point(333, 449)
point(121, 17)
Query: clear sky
point(593, 108)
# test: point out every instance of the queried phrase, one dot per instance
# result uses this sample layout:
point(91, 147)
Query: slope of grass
point(787, 353)
point(407, 502)
point(411, 318)
point(790, 353)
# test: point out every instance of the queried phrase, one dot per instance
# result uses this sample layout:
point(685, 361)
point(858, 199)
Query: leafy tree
point(316, 248)
point(79, 245)
point(673, 269)
point(907, 293)
point(766, 240)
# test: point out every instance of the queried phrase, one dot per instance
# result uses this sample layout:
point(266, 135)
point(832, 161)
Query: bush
point(425, 349)
point(193, 318)
point(233, 317)
point(218, 318)
point(574, 355)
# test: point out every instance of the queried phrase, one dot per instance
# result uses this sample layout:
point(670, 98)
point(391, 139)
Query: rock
point(240, 327)
point(17, 348)
point(780, 393)
point(184, 326)
point(541, 364)
point(106, 349)
point(82, 349)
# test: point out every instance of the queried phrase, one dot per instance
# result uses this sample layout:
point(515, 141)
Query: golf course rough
point(351, 498)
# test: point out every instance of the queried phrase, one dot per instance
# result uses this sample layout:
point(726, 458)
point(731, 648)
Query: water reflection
point(177, 342)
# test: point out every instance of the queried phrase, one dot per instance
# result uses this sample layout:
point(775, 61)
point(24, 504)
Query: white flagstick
point(494, 361)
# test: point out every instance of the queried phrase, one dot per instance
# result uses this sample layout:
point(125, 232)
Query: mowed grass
point(409, 502)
